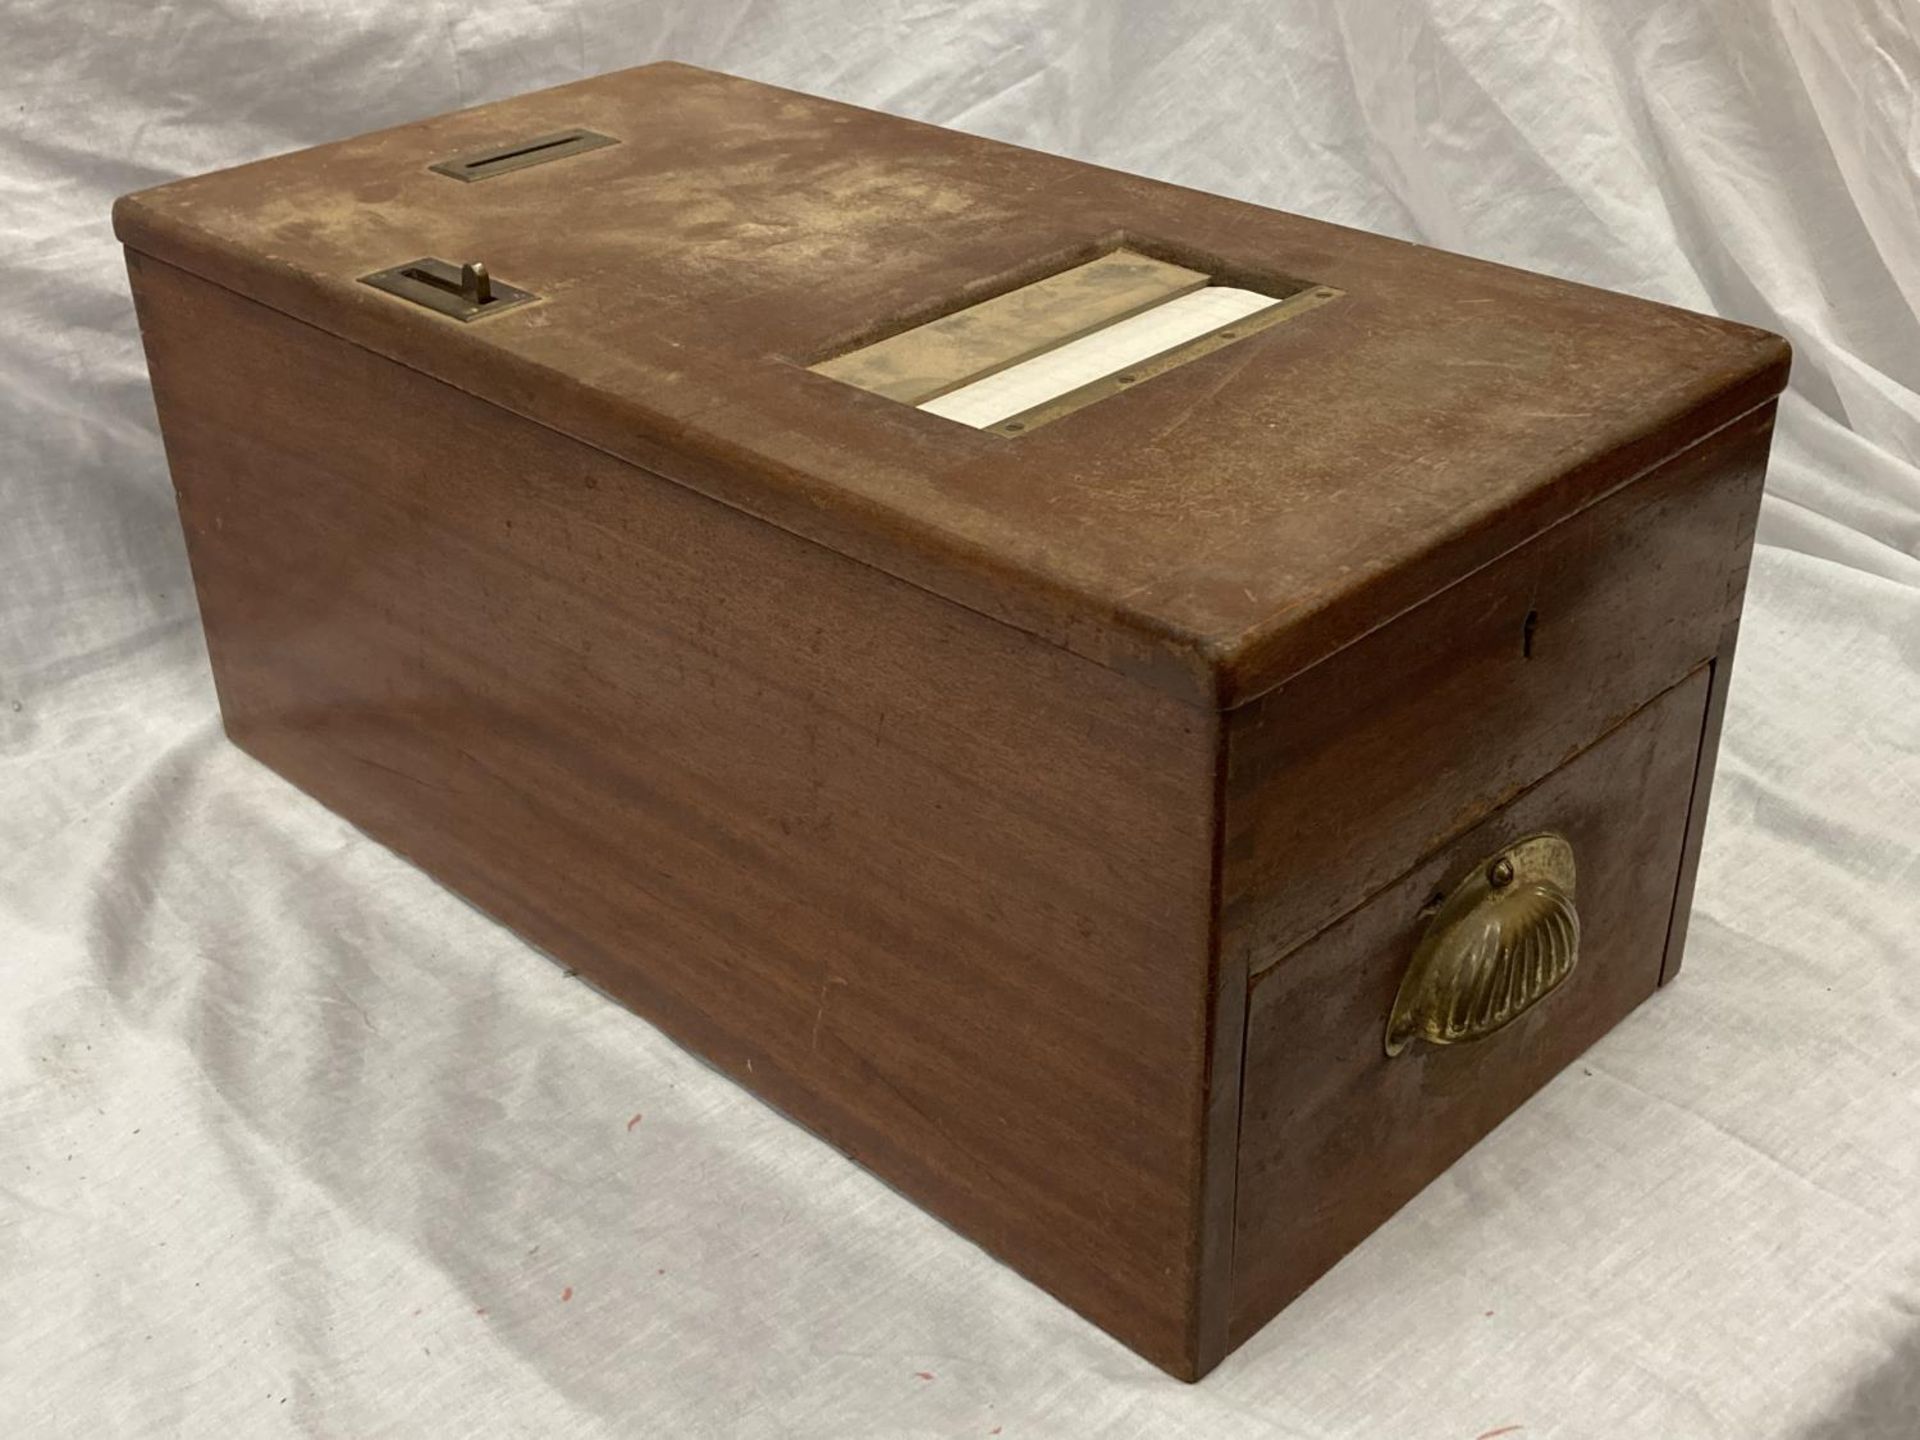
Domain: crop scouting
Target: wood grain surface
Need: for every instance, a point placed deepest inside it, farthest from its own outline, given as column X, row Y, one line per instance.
column 981, row 913
column 1335, row 1136
column 1345, row 776
column 1709, row 749
column 1043, row 821
column 937, row 889
column 1214, row 530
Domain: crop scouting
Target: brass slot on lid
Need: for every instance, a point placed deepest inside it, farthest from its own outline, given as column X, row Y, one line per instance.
column 465, row 292
column 501, row 160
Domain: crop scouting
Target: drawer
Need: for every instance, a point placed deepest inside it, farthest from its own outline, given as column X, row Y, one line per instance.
column 1348, row 774
column 1335, row 1134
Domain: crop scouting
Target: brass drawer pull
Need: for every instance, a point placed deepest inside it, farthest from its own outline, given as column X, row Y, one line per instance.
column 1505, row 939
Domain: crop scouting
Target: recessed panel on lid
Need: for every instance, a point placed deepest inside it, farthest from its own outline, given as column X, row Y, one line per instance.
column 1033, row 354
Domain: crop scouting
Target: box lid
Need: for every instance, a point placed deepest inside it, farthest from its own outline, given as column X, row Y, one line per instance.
column 1212, row 531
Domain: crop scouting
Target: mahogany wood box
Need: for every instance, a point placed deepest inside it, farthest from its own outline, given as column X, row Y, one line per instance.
column 1157, row 828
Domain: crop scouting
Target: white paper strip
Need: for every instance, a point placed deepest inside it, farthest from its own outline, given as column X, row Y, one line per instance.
column 1093, row 357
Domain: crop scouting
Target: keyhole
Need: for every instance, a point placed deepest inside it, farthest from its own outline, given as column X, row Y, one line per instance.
column 1526, row 634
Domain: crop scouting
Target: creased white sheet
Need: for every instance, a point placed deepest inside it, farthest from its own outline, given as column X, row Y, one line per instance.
column 293, row 1143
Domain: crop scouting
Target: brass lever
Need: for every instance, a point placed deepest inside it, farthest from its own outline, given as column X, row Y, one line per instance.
column 472, row 284
column 465, row 291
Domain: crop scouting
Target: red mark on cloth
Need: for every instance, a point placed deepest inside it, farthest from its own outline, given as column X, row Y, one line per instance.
column 635, row 1121
column 567, row 1294
column 1503, row 1430
column 923, row 1374
column 481, row 1311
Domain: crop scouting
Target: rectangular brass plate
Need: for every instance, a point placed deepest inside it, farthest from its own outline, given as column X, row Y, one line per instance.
column 436, row 284
column 503, row 159
column 1019, row 360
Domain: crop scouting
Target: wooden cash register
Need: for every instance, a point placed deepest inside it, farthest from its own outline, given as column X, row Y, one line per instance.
column 1149, row 722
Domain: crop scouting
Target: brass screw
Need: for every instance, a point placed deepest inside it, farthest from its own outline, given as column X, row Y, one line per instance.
column 1500, row 873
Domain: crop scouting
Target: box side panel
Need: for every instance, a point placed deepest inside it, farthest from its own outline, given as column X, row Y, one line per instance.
column 1335, row 1134
column 937, row 889
column 1710, row 738
column 1701, row 794
column 1349, row 773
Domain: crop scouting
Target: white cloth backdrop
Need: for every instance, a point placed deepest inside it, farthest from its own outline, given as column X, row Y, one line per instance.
column 294, row 1143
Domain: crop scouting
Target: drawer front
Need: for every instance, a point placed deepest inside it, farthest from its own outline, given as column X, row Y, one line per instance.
column 1347, row 775
column 1335, row 1134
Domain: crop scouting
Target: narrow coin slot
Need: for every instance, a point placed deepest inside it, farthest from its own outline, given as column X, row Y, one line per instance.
column 440, row 282
column 539, row 150
column 501, row 159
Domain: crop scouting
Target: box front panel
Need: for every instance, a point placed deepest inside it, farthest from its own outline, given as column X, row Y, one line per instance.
column 939, row 890
column 1336, row 1132
column 1348, row 774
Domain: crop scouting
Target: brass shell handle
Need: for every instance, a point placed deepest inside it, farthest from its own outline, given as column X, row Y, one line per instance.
column 1506, row 937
